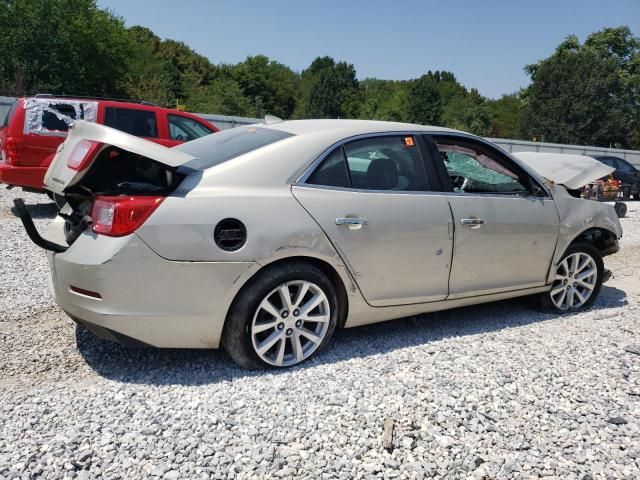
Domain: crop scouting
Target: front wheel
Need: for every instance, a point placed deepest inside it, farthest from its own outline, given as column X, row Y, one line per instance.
column 283, row 317
column 578, row 280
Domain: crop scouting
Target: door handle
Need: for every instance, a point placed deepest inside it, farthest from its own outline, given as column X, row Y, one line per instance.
column 472, row 221
column 351, row 221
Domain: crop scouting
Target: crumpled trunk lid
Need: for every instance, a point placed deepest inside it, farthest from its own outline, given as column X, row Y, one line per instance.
column 60, row 177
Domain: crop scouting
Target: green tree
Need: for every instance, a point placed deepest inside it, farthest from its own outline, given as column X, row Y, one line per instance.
column 384, row 100
column 270, row 86
column 620, row 44
column 507, row 116
column 222, row 96
column 468, row 112
column 188, row 69
column 61, row 46
column 329, row 89
column 577, row 96
column 425, row 106
column 149, row 77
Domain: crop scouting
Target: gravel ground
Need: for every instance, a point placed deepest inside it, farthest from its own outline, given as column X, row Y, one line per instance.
column 493, row 391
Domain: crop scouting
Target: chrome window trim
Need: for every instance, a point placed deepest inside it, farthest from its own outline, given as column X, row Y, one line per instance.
column 302, row 179
column 421, row 192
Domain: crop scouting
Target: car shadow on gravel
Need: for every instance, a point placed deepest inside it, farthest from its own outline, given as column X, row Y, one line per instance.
column 201, row 367
column 39, row 210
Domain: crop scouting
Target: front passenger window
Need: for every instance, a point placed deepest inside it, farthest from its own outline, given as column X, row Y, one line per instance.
column 473, row 171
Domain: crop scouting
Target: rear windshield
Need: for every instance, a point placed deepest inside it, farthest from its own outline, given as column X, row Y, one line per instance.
column 222, row 146
column 7, row 117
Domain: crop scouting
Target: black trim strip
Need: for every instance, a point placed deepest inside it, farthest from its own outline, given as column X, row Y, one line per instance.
column 35, row 237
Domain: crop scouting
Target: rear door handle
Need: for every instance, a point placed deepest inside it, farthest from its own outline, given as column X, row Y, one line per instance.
column 351, row 221
column 472, row 221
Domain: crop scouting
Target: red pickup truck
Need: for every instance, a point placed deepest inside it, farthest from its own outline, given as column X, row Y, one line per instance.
column 35, row 126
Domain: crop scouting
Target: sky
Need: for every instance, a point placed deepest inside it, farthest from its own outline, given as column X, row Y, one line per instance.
column 485, row 43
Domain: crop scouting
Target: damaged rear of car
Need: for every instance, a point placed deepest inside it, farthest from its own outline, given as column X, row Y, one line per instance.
column 112, row 183
column 111, row 180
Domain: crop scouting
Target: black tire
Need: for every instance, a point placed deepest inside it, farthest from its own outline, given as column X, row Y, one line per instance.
column 545, row 301
column 236, row 335
column 621, row 209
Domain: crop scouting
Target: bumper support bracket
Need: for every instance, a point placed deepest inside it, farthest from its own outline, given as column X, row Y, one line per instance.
column 33, row 233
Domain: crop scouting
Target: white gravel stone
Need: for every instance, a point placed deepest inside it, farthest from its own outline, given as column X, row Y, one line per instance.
column 492, row 391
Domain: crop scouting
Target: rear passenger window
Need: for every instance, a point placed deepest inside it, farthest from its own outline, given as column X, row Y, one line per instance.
column 332, row 171
column 378, row 163
column 141, row 123
column 386, row 163
column 53, row 122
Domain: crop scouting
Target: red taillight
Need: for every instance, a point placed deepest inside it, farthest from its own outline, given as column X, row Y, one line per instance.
column 119, row 216
column 82, row 154
column 11, row 147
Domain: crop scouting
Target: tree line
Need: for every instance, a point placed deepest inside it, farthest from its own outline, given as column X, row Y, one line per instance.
column 583, row 93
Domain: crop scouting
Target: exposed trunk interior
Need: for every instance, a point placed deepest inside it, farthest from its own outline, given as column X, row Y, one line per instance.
column 115, row 172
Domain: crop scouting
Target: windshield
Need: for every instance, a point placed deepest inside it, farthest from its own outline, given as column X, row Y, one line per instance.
column 222, row 146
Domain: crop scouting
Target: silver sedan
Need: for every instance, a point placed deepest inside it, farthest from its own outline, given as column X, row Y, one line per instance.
column 264, row 239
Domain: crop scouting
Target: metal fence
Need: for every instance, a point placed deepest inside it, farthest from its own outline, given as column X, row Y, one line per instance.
column 632, row 156
column 224, row 122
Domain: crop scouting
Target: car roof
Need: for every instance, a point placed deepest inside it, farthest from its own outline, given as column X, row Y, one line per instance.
column 348, row 128
column 284, row 160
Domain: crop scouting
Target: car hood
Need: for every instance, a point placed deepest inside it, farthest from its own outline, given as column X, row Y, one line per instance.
column 572, row 171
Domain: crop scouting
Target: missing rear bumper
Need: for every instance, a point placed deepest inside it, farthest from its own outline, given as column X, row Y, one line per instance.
column 111, row 335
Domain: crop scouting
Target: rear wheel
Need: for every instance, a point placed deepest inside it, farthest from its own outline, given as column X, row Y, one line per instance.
column 578, row 280
column 281, row 318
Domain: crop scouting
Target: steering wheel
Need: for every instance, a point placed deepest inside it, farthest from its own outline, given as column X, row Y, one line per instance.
column 459, row 182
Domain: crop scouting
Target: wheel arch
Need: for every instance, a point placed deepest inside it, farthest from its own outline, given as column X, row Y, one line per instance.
column 325, row 267
column 604, row 240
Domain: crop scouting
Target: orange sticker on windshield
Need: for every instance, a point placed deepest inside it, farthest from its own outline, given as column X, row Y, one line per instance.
column 408, row 141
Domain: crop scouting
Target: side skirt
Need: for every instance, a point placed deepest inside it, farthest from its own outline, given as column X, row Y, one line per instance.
column 363, row 314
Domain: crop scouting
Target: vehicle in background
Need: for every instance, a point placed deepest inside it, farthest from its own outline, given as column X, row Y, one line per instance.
column 626, row 174
column 34, row 128
column 265, row 238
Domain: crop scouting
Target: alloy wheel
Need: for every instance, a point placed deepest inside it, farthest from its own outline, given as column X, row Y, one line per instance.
column 290, row 323
column 576, row 278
